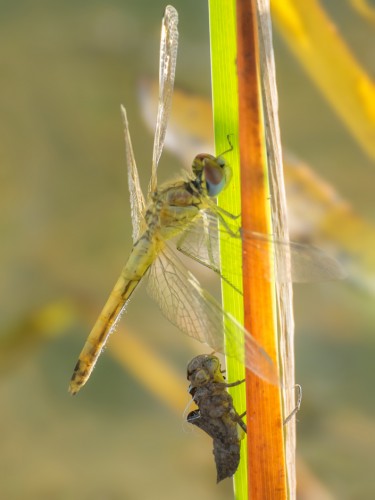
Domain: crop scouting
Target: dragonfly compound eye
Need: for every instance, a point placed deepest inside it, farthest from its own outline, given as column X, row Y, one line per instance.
column 199, row 163
column 217, row 175
column 213, row 173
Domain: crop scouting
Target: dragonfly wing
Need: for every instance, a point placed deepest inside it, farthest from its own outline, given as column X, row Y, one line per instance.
column 137, row 202
column 167, row 67
column 200, row 241
column 197, row 314
column 290, row 261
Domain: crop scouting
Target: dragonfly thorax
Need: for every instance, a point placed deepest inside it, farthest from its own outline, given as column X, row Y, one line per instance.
column 212, row 173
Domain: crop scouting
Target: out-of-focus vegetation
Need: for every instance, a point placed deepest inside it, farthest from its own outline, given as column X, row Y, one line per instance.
column 65, row 227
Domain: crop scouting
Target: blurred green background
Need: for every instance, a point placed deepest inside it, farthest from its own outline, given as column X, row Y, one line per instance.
column 65, row 67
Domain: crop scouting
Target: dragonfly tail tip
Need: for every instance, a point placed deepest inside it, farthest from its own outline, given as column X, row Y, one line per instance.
column 74, row 385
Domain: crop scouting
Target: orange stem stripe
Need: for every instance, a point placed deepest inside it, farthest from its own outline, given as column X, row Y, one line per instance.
column 266, row 460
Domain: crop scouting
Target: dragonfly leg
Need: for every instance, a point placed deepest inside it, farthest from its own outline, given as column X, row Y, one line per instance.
column 222, row 212
column 240, row 422
column 233, row 384
column 298, row 405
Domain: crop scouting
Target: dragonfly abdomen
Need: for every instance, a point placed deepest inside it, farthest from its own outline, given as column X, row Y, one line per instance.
column 140, row 259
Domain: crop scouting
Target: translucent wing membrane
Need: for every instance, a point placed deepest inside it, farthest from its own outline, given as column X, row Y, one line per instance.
column 197, row 314
column 170, row 286
column 200, row 241
column 137, row 202
column 168, row 56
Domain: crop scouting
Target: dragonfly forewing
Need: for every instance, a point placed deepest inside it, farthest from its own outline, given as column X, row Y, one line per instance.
column 137, row 201
column 167, row 69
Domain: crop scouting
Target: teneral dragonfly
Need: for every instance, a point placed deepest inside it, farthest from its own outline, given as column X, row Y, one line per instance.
column 185, row 209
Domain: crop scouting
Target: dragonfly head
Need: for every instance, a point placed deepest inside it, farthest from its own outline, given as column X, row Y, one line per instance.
column 212, row 173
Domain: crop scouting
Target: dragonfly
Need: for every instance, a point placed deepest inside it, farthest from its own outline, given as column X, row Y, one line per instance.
column 184, row 214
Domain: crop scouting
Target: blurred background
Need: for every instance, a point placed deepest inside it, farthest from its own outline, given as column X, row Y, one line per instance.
column 66, row 232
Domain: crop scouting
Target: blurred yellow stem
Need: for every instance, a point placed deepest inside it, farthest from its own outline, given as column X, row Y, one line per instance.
column 320, row 50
